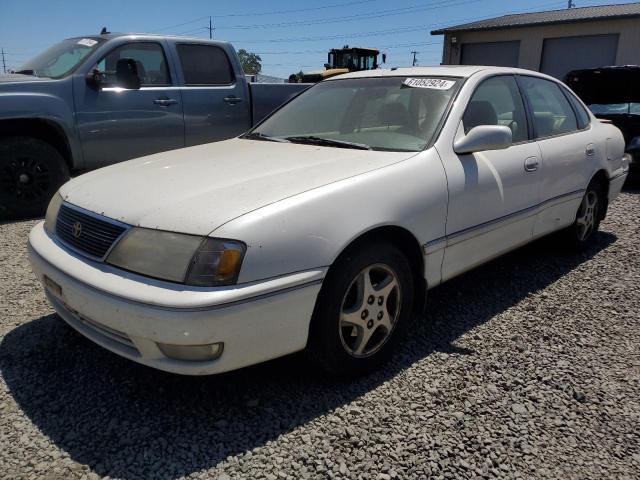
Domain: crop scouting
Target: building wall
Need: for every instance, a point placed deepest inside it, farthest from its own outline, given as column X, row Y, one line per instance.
column 532, row 38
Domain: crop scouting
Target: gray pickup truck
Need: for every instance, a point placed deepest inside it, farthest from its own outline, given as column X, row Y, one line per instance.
column 92, row 101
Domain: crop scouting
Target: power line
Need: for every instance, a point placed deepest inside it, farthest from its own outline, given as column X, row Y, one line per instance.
column 357, row 17
column 253, row 14
column 382, row 32
column 279, row 12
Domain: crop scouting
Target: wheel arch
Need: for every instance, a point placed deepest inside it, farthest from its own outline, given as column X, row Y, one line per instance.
column 42, row 129
column 407, row 243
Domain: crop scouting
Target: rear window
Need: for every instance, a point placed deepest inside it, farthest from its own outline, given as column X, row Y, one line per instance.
column 204, row 65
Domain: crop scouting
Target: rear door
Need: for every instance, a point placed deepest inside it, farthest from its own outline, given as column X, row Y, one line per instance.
column 216, row 103
column 117, row 124
column 565, row 142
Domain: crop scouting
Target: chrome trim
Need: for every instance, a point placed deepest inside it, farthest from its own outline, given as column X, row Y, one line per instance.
column 470, row 232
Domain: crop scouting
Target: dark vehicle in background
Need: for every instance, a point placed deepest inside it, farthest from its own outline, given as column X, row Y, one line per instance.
column 92, row 101
column 613, row 94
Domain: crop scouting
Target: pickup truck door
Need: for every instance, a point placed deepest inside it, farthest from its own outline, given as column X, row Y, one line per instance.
column 116, row 124
column 215, row 95
column 493, row 195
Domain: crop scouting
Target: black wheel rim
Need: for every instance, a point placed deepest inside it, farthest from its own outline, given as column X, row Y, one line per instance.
column 26, row 180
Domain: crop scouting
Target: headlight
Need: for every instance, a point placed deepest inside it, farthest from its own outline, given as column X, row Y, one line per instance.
column 52, row 213
column 178, row 257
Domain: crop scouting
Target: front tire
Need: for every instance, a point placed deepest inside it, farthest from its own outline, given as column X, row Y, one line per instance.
column 31, row 171
column 362, row 310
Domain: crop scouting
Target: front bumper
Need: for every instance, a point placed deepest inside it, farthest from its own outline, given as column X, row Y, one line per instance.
column 130, row 314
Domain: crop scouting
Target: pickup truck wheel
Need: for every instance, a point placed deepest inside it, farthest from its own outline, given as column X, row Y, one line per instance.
column 31, row 173
column 362, row 311
column 587, row 222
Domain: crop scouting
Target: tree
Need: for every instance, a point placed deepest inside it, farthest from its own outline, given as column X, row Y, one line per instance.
column 251, row 63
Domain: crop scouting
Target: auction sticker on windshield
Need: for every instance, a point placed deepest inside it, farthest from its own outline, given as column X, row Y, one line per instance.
column 432, row 83
column 87, row 42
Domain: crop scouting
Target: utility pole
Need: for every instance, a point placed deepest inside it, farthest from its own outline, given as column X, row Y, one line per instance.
column 414, row 57
column 4, row 65
column 210, row 28
column 570, row 4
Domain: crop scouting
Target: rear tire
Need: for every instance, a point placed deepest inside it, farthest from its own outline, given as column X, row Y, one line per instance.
column 581, row 234
column 31, row 171
column 362, row 311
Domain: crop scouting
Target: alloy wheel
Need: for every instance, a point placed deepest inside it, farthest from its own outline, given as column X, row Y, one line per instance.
column 587, row 215
column 370, row 310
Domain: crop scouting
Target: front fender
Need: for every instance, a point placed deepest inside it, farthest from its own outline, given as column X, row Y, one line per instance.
column 47, row 107
column 311, row 229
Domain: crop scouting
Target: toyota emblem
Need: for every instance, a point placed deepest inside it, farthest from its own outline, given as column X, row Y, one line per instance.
column 76, row 229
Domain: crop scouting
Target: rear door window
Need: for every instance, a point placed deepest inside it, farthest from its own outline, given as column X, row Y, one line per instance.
column 581, row 112
column 204, row 65
column 552, row 113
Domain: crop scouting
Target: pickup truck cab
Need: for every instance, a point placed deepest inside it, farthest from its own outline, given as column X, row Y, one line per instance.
column 92, row 101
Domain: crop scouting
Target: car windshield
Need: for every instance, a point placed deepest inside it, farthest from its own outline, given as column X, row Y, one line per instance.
column 61, row 59
column 615, row 108
column 377, row 113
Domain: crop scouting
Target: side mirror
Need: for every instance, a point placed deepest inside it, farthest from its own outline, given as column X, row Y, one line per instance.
column 634, row 146
column 127, row 74
column 484, row 137
column 93, row 79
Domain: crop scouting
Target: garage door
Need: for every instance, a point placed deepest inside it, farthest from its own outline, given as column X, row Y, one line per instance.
column 561, row 55
column 499, row 54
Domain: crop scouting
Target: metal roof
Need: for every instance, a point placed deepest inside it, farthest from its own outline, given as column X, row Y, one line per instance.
column 568, row 15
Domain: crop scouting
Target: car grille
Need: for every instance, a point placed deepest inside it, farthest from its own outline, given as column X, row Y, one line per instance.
column 89, row 234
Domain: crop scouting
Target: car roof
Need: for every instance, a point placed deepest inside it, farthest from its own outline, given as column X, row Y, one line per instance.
column 463, row 71
column 110, row 36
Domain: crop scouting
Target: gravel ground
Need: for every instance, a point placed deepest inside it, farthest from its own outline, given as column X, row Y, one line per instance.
column 528, row 367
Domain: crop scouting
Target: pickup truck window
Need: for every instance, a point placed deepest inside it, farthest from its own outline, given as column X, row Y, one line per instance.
column 61, row 59
column 381, row 113
column 149, row 58
column 204, row 65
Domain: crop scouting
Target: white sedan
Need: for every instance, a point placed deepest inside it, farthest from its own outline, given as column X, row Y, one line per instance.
column 323, row 227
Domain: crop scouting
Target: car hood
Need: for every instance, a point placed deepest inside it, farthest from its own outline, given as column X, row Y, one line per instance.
column 195, row 190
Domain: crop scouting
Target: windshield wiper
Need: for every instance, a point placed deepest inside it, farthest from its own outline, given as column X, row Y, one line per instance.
column 262, row 136
column 312, row 140
column 26, row 72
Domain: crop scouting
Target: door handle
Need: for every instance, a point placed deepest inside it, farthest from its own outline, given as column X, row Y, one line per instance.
column 531, row 164
column 165, row 101
column 232, row 99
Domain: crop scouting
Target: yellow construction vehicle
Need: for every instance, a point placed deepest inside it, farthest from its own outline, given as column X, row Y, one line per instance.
column 342, row 60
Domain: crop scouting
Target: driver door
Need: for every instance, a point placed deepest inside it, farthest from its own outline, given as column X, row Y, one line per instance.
column 117, row 124
column 493, row 194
